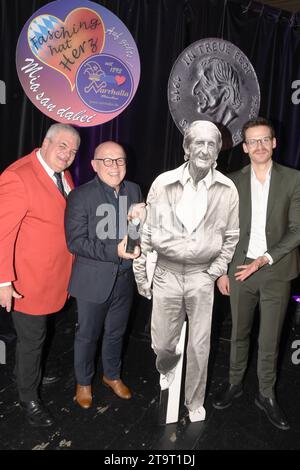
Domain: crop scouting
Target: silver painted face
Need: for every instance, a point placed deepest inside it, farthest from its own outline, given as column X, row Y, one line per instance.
column 202, row 153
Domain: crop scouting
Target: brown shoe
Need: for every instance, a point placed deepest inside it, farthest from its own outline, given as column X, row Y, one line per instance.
column 83, row 396
column 118, row 387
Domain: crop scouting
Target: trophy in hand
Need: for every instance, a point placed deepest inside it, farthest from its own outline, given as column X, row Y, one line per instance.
column 136, row 217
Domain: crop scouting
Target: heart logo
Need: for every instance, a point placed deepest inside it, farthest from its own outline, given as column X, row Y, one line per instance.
column 64, row 45
column 120, row 79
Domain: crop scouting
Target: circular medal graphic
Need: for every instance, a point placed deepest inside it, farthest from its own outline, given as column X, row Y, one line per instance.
column 77, row 62
column 213, row 80
column 104, row 83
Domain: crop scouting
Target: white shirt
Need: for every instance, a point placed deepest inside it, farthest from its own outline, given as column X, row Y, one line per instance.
column 211, row 245
column 192, row 206
column 50, row 172
column 259, row 203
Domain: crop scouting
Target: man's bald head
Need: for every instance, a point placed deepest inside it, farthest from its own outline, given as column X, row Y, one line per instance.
column 110, row 163
column 108, row 146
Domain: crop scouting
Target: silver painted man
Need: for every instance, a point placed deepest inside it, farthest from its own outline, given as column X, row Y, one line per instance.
column 192, row 223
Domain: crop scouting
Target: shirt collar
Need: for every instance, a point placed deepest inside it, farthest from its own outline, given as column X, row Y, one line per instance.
column 110, row 189
column 186, row 176
column 44, row 164
column 177, row 175
column 268, row 175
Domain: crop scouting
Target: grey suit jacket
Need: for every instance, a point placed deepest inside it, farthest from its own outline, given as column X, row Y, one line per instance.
column 96, row 259
column 282, row 224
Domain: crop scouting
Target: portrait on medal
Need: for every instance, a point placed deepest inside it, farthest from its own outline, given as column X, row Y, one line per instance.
column 213, row 80
column 217, row 90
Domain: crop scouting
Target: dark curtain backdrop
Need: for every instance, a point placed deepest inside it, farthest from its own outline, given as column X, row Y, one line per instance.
column 162, row 29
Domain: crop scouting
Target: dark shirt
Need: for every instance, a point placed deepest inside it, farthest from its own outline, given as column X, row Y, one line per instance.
column 114, row 198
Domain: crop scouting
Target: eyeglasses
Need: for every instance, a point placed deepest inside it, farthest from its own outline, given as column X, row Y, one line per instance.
column 264, row 141
column 110, row 161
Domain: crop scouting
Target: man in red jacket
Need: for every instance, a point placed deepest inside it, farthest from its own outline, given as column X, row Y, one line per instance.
column 35, row 264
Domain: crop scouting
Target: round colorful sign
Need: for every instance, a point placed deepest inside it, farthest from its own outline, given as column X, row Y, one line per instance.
column 77, row 62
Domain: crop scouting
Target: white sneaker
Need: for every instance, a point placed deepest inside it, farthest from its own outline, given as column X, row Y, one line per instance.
column 166, row 380
column 198, row 414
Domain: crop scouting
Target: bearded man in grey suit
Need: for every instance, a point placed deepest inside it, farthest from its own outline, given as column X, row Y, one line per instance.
column 265, row 261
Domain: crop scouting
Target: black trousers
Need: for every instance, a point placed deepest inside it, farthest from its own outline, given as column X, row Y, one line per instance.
column 110, row 316
column 31, row 334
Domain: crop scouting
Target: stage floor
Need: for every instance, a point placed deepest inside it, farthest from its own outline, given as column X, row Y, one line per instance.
column 115, row 424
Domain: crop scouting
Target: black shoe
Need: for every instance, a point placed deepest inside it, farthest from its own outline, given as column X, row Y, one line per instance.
column 273, row 412
column 49, row 380
column 36, row 413
column 226, row 394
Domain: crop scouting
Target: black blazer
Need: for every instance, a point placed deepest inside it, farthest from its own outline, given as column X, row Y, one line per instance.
column 96, row 259
column 282, row 224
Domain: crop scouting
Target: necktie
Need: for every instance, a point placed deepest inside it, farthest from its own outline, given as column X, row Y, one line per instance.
column 59, row 183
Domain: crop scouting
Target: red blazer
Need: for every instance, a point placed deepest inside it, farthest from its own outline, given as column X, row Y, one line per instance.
column 33, row 250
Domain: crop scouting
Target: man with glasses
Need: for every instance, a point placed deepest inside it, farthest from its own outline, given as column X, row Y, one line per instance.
column 102, row 279
column 265, row 261
column 35, row 264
